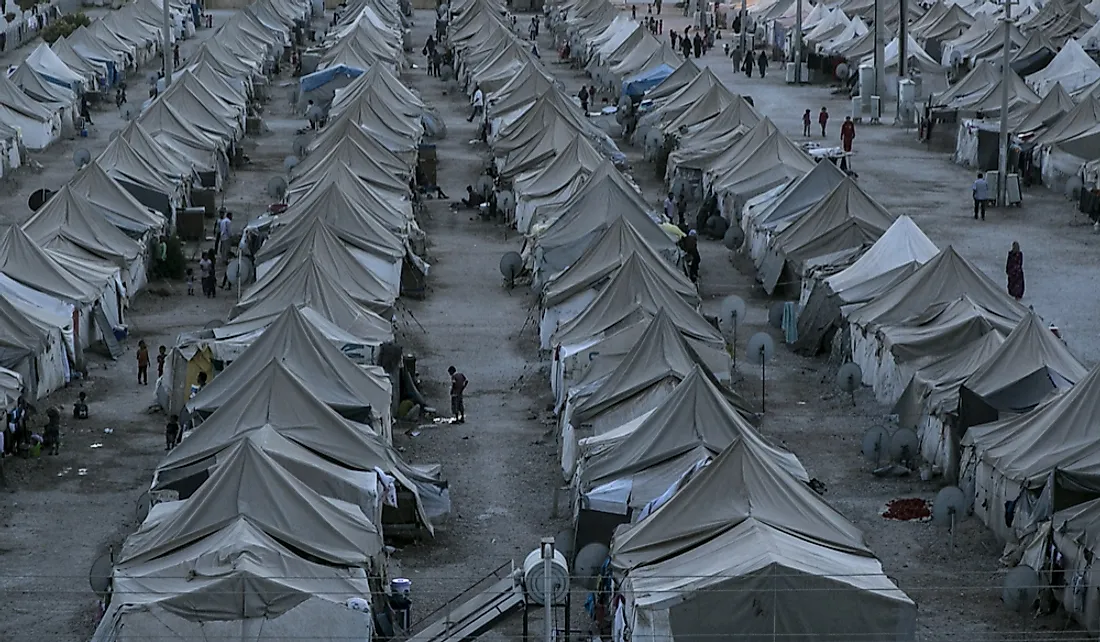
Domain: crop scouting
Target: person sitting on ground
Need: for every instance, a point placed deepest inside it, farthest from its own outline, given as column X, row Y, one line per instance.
column 473, row 200
column 80, row 408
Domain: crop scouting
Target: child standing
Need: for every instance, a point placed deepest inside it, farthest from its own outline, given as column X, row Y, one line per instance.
column 172, row 432
column 162, row 356
column 143, row 363
column 190, row 282
column 80, row 408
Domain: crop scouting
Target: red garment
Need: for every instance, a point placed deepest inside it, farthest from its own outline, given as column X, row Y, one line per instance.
column 822, row 118
column 847, row 134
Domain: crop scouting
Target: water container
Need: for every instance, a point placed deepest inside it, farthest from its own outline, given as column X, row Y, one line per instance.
column 534, row 578
column 401, row 586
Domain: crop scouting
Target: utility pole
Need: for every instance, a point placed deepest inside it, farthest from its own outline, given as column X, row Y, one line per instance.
column 798, row 43
column 1006, row 71
column 167, row 46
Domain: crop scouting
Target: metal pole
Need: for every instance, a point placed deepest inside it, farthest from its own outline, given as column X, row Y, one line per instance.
column 547, row 569
column 1006, row 70
column 798, row 43
column 880, row 55
column 167, row 50
column 744, row 22
column 903, row 39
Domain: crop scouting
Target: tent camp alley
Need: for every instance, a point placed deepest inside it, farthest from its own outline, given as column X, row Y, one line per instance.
column 756, row 382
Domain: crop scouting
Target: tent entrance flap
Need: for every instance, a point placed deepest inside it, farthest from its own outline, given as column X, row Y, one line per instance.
column 103, row 324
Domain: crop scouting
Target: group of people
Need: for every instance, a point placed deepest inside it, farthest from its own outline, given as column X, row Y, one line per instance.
column 20, row 437
column 847, row 128
column 676, row 210
column 689, row 44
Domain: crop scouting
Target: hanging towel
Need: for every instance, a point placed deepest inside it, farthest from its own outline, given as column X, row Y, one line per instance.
column 790, row 321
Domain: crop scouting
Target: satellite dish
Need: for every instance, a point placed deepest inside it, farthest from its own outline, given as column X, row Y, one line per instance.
column 775, row 315
column 948, row 508
column 849, row 378
column 904, row 446
column 215, row 323
column 129, row 112
column 81, row 157
column 761, row 349
column 239, row 269
column 152, row 79
column 875, row 442
column 276, row 188
column 1021, row 588
column 506, row 200
column 732, row 312
column 484, row 184
column 289, row 163
column 716, row 227
column 586, row 568
column 733, row 238
column 842, row 71
column 511, row 265
column 39, row 198
column 99, row 575
column 300, row 146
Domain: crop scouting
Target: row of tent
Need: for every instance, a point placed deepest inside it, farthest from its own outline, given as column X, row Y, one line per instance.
column 71, row 270
column 286, row 485
column 998, row 401
column 642, row 379
column 40, row 98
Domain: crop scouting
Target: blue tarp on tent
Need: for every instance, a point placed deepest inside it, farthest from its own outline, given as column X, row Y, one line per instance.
column 648, row 79
column 319, row 78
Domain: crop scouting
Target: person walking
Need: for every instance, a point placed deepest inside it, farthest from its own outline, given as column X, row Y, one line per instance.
column 748, row 63
column 847, row 133
column 762, row 62
column 143, row 364
column 690, row 245
column 807, row 120
column 478, row 103
column 1014, row 269
column 980, row 191
column 685, row 43
column 823, row 120
column 225, row 232
column 672, row 33
column 458, row 388
column 583, row 96
column 697, row 45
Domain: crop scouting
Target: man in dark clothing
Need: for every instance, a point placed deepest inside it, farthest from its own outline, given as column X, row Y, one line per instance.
column 762, row 62
column 697, row 45
column 458, row 387
column 690, row 245
column 85, row 112
column 583, row 95
column 685, row 44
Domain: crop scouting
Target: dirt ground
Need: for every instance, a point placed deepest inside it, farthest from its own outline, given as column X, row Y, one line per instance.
column 501, row 464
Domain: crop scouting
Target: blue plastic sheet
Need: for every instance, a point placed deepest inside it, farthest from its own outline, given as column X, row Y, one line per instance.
column 317, row 79
column 639, row 84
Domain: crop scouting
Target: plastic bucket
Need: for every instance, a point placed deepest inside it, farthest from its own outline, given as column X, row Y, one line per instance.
column 401, row 586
